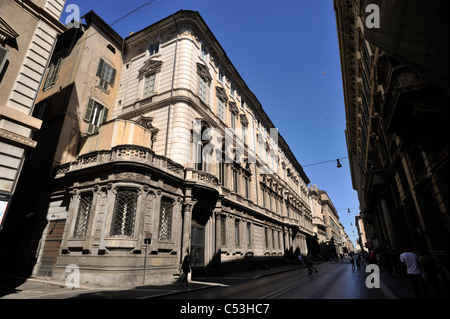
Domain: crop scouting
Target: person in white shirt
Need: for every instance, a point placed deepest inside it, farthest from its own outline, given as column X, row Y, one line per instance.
column 411, row 262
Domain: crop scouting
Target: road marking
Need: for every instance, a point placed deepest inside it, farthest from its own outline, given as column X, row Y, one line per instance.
column 281, row 291
column 209, row 283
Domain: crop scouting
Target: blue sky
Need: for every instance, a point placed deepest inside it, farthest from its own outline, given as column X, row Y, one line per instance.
column 288, row 54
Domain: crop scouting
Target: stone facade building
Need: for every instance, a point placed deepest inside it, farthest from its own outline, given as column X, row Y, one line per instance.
column 395, row 79
column 333, row 227
column 163, row 151
column 28, row 32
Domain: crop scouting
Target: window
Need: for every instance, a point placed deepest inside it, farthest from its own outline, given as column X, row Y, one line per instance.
column 223, row 230
column 235, row 181
column 81, row 224
column 124, row 213
column 153, row 48
column 165, row 219
column 107, row 75
column 204, row 52
column 233, row 120
column 247, row 187
column 237, row 235
column 95, row 115
column 263, row 193
column 221, row 75
column 232, row 90
column 249, row 234
column 52, row 74
column 202, row 88
column 266, row 237
column 273, row 239
column 221, row 109
column 244, row 133
column 149, row 85
column 222, row 172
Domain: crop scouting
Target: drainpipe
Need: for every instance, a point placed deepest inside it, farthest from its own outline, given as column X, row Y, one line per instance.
column 171, row 90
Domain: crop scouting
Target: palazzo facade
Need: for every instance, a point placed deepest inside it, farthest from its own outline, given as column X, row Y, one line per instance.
column 163, row 151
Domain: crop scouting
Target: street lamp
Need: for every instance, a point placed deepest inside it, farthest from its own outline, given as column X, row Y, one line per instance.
column 337, row 160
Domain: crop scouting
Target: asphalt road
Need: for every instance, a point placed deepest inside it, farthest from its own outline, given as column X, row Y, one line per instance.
column 333, row 281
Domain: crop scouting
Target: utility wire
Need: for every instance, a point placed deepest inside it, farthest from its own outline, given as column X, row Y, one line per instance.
column 130, row 13
column 325, row 162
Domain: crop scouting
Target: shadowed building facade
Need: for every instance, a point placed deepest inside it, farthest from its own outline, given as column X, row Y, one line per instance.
column 395, row 80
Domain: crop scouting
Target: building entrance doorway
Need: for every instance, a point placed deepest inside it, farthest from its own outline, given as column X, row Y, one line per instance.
column 197, row 245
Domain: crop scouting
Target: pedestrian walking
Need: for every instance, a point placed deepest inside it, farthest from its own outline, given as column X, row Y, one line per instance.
column 411, row 262
column 186, row 269
column 309, row 264
column 352, row 261
column 357, row 261
column 372, row 258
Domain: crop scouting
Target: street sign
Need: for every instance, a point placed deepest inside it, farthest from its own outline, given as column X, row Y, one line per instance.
column 5, row 199
column 147, row 238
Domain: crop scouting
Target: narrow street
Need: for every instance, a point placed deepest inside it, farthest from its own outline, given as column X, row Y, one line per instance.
column 333, row 281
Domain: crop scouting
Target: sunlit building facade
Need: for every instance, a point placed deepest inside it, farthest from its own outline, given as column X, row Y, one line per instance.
column 164, row 151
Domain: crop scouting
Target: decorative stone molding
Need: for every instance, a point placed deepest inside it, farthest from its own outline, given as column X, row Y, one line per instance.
column 150, row 67
column 17, row 139
column 203, row 71
column 221, row 94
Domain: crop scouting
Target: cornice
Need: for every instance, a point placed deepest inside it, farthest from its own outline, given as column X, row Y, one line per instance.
column 41, row 14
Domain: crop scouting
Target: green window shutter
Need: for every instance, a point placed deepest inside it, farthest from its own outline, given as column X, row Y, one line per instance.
column 112, row 77
column 48, row 80
column 100, row 67
column 89, row 109
column 105, row 115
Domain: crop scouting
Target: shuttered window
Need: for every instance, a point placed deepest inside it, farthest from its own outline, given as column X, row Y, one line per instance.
column 95, row 115
column 52, row 74
column 107, row 75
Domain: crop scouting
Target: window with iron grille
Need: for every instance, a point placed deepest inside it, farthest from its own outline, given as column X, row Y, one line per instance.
column 237, row 233
column 124, row 213
column 81, row 224
column 223, row 230
column 165, row 219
